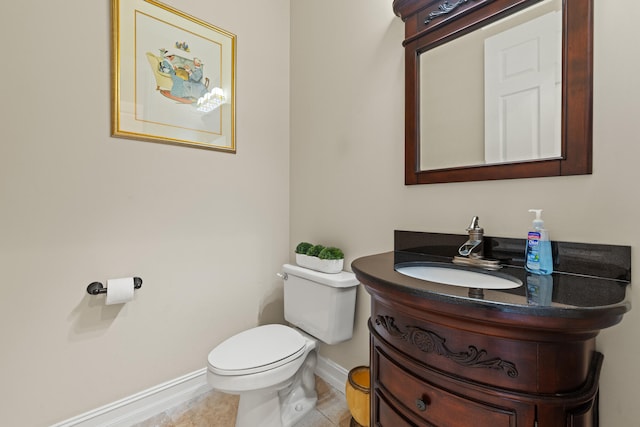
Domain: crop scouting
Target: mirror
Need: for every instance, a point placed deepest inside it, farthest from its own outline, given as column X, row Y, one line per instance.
column 466, row 120
column 509, row 74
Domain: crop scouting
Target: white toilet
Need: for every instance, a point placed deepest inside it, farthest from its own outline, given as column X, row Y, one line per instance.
column 272, row 367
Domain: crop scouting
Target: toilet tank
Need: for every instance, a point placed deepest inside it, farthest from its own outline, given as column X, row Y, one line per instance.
column 321, row 304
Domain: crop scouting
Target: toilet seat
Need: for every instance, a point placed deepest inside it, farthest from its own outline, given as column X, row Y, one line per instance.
column 256, row 350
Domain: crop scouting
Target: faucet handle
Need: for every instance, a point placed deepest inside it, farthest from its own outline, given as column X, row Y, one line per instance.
column 473, row 247
column 474, row 226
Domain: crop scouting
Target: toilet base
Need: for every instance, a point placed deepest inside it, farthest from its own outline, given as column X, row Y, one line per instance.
column 281, row 405
column 300, row 397
column 258, row 408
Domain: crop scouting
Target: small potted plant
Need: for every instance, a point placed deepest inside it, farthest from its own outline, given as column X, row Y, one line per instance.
column 319, row 258
column 302, row 248
column 331, row 260
column 314, row 250
column 302, row 259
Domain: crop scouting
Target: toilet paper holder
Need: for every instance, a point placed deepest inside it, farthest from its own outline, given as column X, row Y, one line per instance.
column 96, row 288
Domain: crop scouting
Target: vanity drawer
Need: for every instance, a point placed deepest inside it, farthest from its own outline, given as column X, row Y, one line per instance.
column 433, row 404
column 492, row 360
column 387, row 416
column 485, row 359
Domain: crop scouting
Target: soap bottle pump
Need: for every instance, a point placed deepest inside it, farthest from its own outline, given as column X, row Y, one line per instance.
column 538, row 256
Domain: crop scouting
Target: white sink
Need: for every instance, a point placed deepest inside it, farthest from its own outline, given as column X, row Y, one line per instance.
column 441, row 273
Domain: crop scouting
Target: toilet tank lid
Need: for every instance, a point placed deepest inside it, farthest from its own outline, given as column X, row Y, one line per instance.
column 344, row 279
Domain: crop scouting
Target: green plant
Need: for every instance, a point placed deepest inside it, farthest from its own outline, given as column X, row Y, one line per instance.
column 315, row 250
column 303, row 247
column 331, row 253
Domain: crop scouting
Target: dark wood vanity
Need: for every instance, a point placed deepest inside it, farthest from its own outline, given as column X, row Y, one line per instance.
column 441, row 358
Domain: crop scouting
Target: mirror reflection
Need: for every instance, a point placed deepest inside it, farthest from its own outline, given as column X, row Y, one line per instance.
column 494, row 96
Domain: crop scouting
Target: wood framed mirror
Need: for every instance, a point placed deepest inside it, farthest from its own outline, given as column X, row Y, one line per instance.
column 436, row 29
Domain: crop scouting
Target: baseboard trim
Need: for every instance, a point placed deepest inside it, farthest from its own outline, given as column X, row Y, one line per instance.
column 332, row 373
column 155, row 400
column 141, row 406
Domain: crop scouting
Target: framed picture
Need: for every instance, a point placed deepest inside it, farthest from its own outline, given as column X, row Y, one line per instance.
column 173, row 77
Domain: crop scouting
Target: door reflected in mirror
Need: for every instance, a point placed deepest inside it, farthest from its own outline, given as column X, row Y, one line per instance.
column 494, row 95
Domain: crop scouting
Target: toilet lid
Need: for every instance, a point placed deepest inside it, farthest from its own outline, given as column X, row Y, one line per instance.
column 255, row 350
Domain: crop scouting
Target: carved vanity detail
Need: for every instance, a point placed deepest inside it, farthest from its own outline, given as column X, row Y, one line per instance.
column 430, row 342
column 440, row 358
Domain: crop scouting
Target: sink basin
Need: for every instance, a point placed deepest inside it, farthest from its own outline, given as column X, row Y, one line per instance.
column 456, row 276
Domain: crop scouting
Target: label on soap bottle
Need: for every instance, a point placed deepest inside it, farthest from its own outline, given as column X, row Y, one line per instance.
column 533, row 250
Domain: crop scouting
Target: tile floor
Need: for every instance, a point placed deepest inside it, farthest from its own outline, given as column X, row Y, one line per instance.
column 217, row 409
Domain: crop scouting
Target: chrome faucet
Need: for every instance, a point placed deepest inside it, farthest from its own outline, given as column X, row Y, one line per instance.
column 474, row 247
column 472, row 251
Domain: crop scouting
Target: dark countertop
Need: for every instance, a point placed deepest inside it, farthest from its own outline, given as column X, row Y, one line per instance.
column 568, row 296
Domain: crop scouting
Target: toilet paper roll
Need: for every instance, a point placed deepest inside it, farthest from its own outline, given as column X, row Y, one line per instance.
column 119, row 291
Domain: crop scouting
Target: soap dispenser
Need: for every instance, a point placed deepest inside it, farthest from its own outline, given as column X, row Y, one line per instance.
column 538, row 256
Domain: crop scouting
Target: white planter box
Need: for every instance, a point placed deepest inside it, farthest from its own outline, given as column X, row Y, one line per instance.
column 324, row 265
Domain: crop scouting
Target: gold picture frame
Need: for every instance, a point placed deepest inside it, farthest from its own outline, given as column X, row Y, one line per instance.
column 173, row 77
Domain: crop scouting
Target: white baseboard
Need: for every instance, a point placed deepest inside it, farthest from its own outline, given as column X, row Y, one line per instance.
column 332, row 373
column 153, row 401
column 141, row 406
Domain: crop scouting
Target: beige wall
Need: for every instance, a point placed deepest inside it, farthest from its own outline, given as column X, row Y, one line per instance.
column 78, row 206
column 347, row 163
column 207, row 231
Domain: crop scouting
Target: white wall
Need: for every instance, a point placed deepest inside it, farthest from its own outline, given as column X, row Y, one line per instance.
column 206, row 230
column 347, row 133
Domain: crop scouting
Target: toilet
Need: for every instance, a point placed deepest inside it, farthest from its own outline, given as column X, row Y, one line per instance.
column 272, row 367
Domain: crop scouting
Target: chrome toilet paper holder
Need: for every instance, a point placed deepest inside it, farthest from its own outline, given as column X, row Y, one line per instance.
column 96, row 288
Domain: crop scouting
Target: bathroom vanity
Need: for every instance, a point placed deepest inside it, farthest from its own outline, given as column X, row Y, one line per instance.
column 506, row 357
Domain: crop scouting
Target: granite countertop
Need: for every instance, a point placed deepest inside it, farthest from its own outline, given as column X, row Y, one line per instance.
column 567, row 293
